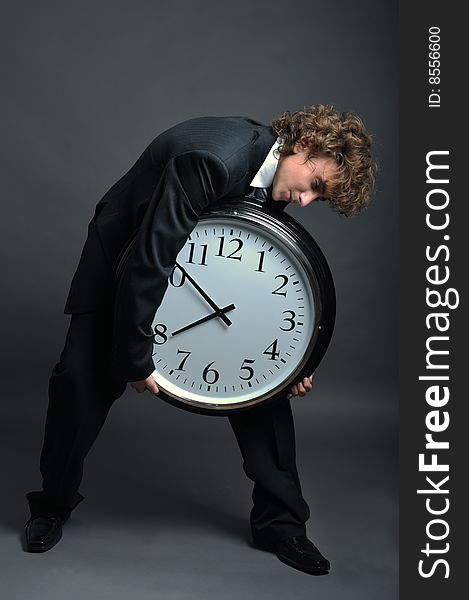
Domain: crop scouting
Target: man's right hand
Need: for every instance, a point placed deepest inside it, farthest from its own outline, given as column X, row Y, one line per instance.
column 146, row 384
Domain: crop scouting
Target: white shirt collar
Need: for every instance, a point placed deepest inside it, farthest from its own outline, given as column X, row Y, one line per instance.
column 265, row 176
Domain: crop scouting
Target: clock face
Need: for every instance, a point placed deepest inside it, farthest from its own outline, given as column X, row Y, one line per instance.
column 238, row 316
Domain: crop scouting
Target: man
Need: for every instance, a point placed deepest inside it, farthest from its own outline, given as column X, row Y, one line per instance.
column 317, row 153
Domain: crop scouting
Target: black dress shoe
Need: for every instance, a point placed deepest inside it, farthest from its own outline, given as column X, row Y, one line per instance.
column 300, row 553
column 43, row 532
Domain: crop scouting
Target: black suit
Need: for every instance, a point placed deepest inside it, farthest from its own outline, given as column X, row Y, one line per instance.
column 183, row 171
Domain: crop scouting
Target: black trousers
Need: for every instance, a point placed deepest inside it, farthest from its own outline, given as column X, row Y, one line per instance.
column 81, row 392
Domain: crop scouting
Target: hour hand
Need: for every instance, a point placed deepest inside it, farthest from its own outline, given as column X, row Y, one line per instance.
column 218, row 313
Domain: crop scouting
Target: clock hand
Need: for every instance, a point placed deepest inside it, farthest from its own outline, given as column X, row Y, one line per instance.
column 217, row 313
column 204, row 295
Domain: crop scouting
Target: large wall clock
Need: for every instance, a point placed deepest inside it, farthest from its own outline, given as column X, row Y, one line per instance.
column 249, row 310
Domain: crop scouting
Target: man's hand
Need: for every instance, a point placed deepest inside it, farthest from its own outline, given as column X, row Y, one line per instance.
column 301, row 388
column 146, row 384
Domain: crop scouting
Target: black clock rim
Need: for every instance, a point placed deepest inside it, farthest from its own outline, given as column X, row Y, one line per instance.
column 251, row 207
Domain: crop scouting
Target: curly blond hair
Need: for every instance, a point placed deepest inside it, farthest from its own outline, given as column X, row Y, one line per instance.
column 338, row 135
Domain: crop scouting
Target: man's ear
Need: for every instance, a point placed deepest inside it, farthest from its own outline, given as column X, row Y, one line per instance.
column 306, row 140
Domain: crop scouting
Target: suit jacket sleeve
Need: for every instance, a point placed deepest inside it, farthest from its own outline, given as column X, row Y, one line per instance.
column 188, row 185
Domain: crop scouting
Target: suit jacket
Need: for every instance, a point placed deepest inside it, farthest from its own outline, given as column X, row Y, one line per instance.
column 183, row 171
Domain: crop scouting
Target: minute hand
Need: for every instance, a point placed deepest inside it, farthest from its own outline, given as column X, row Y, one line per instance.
column 217, row 309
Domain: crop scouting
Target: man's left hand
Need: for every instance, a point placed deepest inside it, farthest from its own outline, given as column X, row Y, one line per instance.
column 145, row 384
column 302, row 388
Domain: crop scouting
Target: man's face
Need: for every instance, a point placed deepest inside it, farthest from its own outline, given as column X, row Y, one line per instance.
column 300, row 180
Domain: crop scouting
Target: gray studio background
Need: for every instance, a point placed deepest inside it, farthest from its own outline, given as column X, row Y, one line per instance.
column 86, row 86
